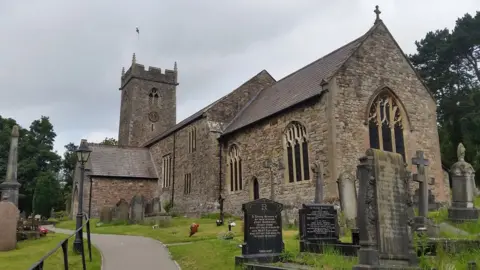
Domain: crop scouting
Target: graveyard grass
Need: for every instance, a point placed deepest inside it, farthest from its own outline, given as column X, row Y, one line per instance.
column 30, row 251
column 207, row 251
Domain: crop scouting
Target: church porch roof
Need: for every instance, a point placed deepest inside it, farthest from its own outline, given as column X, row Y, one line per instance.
column 115, row 161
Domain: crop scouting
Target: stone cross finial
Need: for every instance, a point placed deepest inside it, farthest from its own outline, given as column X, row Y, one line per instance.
column 377, row 12
column 461, row 152
column 134, row 59
column 175, row 66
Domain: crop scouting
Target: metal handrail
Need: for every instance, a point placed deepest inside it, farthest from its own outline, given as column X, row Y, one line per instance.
column 64, row 245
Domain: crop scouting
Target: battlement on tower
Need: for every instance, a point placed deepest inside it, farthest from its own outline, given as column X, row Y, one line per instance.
column 153, row 74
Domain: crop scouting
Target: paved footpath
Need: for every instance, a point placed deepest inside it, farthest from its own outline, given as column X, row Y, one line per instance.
column 125, row 252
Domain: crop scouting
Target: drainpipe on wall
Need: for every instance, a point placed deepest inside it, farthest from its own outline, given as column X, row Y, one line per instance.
column 220, row 199
column 173, row 167
column 90, row 199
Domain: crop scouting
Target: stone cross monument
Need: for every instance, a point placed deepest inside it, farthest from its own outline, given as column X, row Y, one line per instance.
column 11, row 185
column 317, row 173
column 421, row 177
column 463, row 184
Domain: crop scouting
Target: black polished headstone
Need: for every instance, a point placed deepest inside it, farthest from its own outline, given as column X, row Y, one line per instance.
column 263, row 240
column 319, row 229
column 318, row 222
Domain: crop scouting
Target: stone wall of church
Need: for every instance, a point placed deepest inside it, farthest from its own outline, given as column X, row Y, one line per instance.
column 108, row 191
column 228, row 107
column 201, row 165
column 264, row 141
column 379, row 64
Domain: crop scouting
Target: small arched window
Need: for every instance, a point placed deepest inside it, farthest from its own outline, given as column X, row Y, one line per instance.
column 296, row 152
column 153, row 97
column 235, row 169
column 385, row 124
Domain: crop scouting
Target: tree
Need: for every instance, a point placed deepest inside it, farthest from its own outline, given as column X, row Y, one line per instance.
column 35, row 155
column 68, row 165
column 109, row 141
column 47, row 193
column 448, row 61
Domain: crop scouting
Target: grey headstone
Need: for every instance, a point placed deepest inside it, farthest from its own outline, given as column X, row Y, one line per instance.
column 463, row 189
column 137, row 208
column 382, row 217
column 149, row 208
column 9, row 216
column 121, row 210
column 156, row 205
column 106, row 215
column 348, row 195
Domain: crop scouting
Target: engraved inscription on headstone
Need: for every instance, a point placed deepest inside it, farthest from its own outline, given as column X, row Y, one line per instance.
column 382, row 212
column 319, row 222
column 262, row 231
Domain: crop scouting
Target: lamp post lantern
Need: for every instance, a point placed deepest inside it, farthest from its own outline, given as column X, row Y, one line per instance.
column 83, row 153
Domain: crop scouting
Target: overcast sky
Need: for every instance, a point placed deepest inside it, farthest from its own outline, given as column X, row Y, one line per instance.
column 63, row 59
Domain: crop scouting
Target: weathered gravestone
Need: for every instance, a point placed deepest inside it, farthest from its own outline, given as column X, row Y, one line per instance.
column 121, row 210
column 263, row 240
column 137, row 208
column 463, row 188
column 106, row 215
column 348, row 196
column 157, row 205
column 385, row 237
column 9, row 216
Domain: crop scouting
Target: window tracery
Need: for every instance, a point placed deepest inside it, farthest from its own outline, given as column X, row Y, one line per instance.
column 385, row 123
column 296, row 148
column 235, row 169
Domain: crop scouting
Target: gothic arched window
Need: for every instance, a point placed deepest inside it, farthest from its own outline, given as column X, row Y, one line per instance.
column 296, row 152
column 385, row 124
column 153, row 97
column 235, row 169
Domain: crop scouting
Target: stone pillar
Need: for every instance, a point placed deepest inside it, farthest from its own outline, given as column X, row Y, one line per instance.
column 463, row 189
column 11, row 185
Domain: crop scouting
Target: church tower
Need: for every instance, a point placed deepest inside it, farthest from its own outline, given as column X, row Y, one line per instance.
column 148, row 103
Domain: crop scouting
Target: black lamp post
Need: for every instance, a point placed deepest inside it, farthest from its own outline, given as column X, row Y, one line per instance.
column 83, row 153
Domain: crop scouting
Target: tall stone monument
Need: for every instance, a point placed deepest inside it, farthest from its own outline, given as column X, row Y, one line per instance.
column 386, row 241
column 463, row 188
column 9, row 188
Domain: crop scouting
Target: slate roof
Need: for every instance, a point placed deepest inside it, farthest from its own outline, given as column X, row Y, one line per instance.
column 194, row 116
column 299, row 86
column 114, row 161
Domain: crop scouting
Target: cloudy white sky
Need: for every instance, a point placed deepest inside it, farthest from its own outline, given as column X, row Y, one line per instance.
column 63, row 59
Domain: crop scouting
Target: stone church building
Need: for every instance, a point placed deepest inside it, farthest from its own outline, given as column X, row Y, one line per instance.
column 262, row 139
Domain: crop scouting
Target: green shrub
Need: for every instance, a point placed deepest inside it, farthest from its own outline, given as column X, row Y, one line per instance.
column 168, row 206
column 226, row 235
